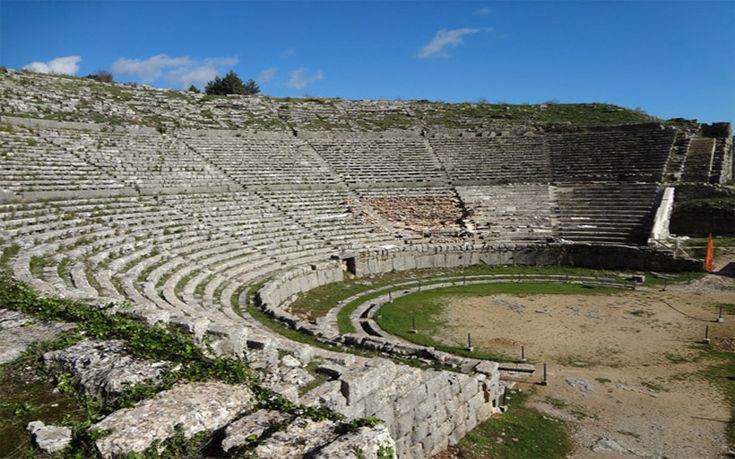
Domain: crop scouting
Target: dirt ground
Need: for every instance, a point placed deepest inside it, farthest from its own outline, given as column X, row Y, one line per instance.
column 623, row 369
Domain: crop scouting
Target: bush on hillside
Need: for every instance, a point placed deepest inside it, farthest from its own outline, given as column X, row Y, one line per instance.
column 103, row 76
column 231, row 84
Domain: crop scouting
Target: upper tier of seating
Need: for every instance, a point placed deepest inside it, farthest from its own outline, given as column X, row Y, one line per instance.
column 272, row 160
column 637, row 155
column 369, row 161
column 495, row 160
column 30, row 162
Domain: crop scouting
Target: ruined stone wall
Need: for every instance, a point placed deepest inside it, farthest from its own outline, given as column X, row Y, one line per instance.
column 426, row 410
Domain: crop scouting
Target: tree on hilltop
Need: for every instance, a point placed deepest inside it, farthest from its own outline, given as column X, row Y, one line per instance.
column 231, row 84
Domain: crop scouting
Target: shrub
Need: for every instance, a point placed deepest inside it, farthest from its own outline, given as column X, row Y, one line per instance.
column 103, row 76
column 231, row 84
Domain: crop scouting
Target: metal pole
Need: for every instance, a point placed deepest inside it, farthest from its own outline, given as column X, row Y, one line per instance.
column 706, row 334
column 413, row 324
column 523, row 353
column 469, row 343
column 545, row 382
column 719, row 317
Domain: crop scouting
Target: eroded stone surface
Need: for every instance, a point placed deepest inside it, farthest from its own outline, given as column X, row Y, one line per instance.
column 301, row 439
column 368, row 441
column 196, row 407
column 103, row 368
column 251, row 426
column 48, row 438
column 18, row 331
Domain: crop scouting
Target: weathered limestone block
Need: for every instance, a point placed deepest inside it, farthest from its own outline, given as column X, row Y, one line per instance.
column 103, row 368
column 364, row 442
column 301, row 439
column 49, row 439
column 358, row 384
column 251, row 426
column 18, row 331
column 196, row 407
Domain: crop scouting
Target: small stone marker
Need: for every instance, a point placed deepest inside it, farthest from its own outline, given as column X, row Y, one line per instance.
column 413, row 325
column 523, row 353
column 706, row 334
column 469, row 343
column 719, row 317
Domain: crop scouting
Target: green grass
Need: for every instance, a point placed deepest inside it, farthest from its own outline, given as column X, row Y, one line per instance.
column 317, row 302
column 426, row 307
column 536, row 435
column 26, row 397
column 9, row 253
column 722, row 373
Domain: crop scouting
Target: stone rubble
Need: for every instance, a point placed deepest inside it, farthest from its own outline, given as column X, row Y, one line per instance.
column 103, row 369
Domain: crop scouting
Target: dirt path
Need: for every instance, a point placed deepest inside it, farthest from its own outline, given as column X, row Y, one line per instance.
column 622, row 368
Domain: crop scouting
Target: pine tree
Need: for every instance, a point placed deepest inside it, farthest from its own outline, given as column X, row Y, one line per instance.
column 230, row 84
column 252, row 88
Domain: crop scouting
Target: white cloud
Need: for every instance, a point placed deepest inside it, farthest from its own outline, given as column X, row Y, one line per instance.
column 149, row 69
column 300, row 78
column 484, row 11
column 446, row 39
column 68, row 65
column 267, row 75
column 286, row 53
column 182, row 71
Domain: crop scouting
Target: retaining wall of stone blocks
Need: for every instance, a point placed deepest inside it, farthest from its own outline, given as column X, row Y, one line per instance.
column 426, row 410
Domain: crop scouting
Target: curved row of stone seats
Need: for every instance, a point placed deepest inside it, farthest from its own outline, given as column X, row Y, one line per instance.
column 257, row 160
column 334, row 216
column 424, row 210
column 494, row 160
column 698, row 160
column 509, row 212
column 606, row 212
column 349, row 392
column 315, row 114
column 626, row 155
column 29, row 163
column 366, row 160
column 143, row 161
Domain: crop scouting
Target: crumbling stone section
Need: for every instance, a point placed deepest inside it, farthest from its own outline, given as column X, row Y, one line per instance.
column 420, row 214
column 103, row 369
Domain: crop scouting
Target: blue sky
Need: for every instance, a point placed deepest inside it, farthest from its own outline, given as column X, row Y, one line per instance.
column 673, row 58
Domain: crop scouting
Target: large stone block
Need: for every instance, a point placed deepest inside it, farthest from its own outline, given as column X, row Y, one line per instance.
column 196, row 407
